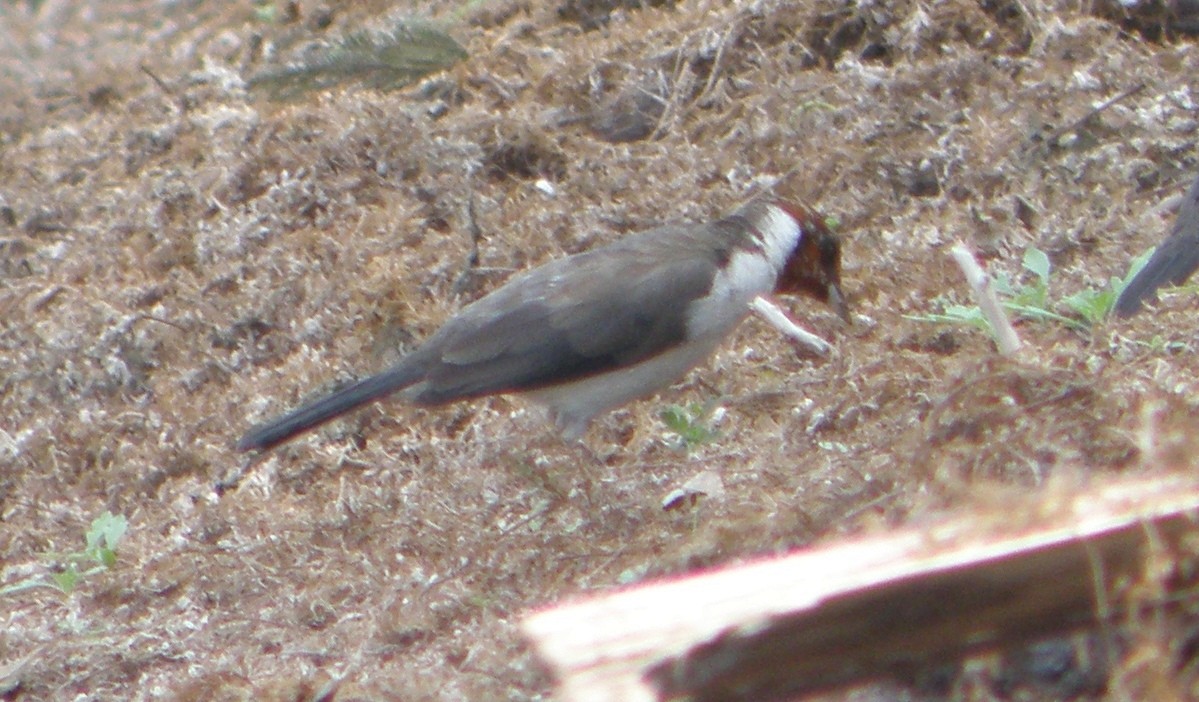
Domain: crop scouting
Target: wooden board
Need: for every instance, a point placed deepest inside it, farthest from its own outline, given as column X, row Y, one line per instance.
column 860, row 609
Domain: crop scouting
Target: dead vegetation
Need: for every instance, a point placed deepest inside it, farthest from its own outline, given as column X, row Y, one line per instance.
column 180, row 258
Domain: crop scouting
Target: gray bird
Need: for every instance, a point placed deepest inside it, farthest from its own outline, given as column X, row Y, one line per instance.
column 1172, row 262
column 588, row 333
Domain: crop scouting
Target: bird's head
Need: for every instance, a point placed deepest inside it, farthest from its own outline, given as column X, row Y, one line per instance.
column 814, row 267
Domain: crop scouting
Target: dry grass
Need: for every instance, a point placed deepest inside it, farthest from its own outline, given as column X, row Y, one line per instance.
column 184, row 259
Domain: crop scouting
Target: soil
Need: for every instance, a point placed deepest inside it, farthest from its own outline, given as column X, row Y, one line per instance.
column 182, row 257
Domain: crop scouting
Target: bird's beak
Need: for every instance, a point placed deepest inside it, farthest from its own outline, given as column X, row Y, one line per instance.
column 837, row 301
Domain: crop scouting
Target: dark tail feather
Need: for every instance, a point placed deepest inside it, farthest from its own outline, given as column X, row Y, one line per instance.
column 329, row 407
column 1171, row 264
column 1174, row 260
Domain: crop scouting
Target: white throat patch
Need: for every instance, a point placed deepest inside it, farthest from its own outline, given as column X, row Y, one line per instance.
column 780, row 235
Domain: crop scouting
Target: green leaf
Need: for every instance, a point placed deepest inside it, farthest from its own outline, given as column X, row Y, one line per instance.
column 67, row 579
column 106, row 531
column 1135, row 267
column 383, row 60
column 1040, row 313
column 1037, row 262
column 675, row 418
column 960, row 314
column 689, row 423
column 107, row 557
column 1092, row 305
column 1003, row 285
column 265, row 12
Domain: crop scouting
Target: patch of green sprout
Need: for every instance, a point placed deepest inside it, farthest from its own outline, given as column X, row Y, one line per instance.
column 1031, row 301
column 691, row 426
column 98, row 555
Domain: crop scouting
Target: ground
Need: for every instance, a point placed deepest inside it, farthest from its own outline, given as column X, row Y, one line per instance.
column 181, row 257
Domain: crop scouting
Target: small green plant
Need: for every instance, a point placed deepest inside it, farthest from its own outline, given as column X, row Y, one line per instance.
column 98, row 554
column 1031, row 301
column 265, row 11
column 385, row 60
column 1093, row 306
column 690, row 426
column 1160, row 345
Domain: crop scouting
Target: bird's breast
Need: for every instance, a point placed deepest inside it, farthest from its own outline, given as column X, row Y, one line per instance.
column 746, row 275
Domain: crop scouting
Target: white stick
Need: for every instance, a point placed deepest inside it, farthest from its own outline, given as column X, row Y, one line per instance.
column 988, row 303
column 774, row 315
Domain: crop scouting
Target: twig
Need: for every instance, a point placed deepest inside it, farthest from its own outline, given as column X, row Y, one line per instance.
column 769, row 311
column 180, row 103
column 714, row 73
column 466, row 279
column 988, row 302
column 1103, row 106
column 1074, row 126
column 680, row 83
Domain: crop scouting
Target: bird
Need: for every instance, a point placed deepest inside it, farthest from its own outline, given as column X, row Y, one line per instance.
column 587, row 333
column 1172, row 262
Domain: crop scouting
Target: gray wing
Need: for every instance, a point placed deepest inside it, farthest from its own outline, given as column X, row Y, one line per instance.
column 570, row 318
column 1174, row 260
